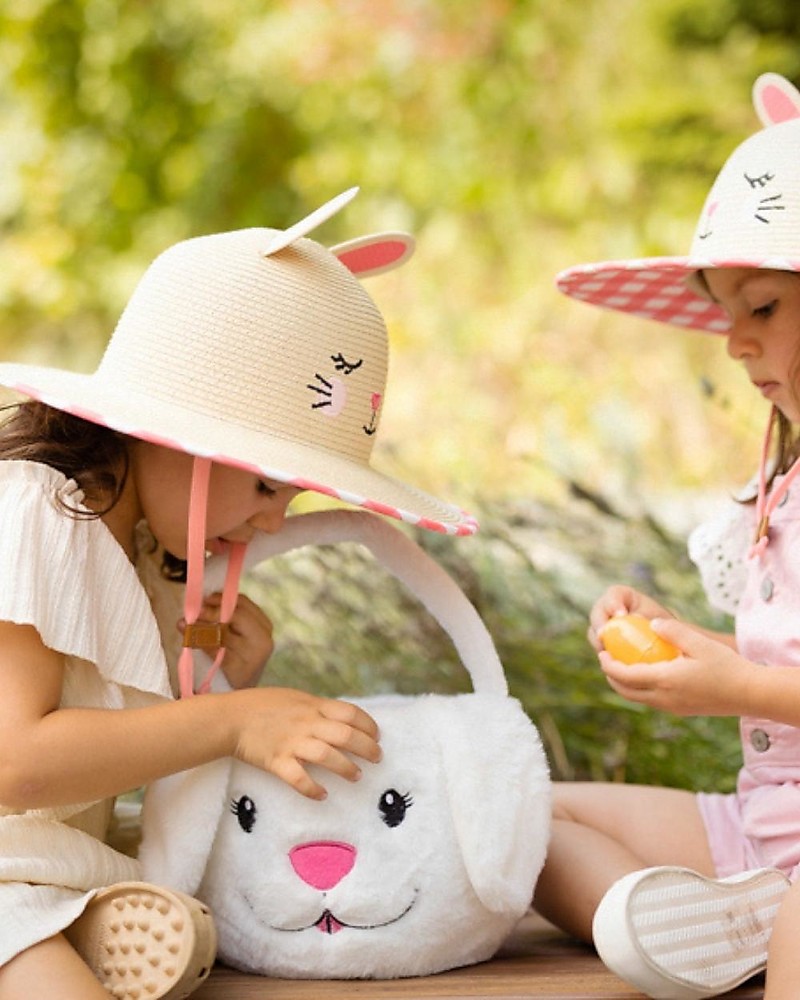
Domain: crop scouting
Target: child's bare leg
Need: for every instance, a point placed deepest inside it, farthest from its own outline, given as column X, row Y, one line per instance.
column 604, row 831
column 783, row 962
column 50, row 969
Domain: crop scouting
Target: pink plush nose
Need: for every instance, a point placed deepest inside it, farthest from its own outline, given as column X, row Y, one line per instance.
column 322, row 863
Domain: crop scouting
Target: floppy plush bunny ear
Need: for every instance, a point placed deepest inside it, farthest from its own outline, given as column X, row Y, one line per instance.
column 370, row 255
column 775, row 99
column 498, row 787
column 180, row 817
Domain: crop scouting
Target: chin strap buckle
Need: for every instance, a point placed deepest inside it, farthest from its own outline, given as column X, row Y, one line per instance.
column 205, row 635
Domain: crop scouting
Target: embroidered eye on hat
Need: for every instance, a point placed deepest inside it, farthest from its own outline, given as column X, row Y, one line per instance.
column 751, row 218
column 259, row 349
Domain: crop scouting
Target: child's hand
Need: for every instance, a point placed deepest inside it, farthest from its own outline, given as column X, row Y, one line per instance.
column 620, row 600
column 248, row 643
column 282, row 730
column 708, row 678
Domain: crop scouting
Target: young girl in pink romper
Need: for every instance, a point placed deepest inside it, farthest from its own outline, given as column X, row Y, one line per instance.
column 686, row 895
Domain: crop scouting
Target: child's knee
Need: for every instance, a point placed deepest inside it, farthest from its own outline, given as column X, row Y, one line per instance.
column 570, row 799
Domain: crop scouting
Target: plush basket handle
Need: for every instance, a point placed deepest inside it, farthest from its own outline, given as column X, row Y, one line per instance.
column 404, row 559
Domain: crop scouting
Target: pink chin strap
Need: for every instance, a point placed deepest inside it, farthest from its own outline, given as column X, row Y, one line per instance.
column 204, row 635
column 765, row 505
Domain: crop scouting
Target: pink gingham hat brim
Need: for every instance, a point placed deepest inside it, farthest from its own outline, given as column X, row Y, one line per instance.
column 657, row 288
column 652, row 288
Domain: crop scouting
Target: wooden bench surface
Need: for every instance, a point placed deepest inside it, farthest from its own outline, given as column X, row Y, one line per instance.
column 536, row 961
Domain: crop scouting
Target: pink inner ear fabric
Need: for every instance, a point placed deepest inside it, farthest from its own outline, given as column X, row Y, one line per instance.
column 370, row 257
column 779, row 106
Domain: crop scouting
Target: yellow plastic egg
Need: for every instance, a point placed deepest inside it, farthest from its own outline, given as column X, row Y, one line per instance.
column 631, row 639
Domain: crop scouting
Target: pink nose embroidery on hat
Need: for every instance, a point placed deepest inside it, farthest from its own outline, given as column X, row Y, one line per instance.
column 324, row 863
column 375, row 403
column 712, row 208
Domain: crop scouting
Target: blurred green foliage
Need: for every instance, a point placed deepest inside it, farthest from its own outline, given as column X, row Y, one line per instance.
column 513, row 137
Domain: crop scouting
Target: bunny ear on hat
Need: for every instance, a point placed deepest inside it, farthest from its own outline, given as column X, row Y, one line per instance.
column 286, row 237
column 365, row 256
column 371, row 255
column 751, row 218
column 775, row 99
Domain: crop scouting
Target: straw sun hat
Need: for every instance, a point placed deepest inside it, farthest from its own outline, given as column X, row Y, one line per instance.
column 259, row 349
column 751, row 218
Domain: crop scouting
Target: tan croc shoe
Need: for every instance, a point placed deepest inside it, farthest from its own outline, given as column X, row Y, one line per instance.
column 144, row 942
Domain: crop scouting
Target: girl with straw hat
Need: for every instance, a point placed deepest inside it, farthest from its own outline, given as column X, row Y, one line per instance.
column 246, row 367
column 687, row 895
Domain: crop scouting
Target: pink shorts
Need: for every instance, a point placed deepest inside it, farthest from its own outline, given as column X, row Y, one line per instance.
column 757, row 831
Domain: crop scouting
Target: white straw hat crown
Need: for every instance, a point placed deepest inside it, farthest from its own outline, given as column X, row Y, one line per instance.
column 227, row 332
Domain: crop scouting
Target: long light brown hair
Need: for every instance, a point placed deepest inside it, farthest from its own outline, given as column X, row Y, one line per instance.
column 787, row 448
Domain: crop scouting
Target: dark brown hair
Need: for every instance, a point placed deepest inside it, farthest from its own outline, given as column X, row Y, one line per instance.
column 96, row 457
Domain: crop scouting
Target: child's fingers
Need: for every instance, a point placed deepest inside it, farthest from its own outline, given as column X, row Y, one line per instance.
column 680, row 634
column 340, row 736
column 290, row 770
column 247, row 618
column 253, row 643
column 350, row 714
column 320, row 752
column 288, row 729
column 616, row 600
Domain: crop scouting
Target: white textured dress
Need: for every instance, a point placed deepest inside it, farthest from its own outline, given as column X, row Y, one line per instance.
column 69, row 578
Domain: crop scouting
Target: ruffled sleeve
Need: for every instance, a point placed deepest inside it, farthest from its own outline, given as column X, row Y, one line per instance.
column 68, row 577
column 718, row 547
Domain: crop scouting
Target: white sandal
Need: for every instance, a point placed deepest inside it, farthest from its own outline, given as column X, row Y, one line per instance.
column 144, row 942
column 677, row 935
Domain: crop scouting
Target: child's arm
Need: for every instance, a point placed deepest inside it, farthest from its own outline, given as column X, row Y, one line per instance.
column 710, row 678
column 53, row 756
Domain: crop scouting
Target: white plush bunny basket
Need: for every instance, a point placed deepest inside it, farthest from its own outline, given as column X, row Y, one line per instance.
column 424, row 864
